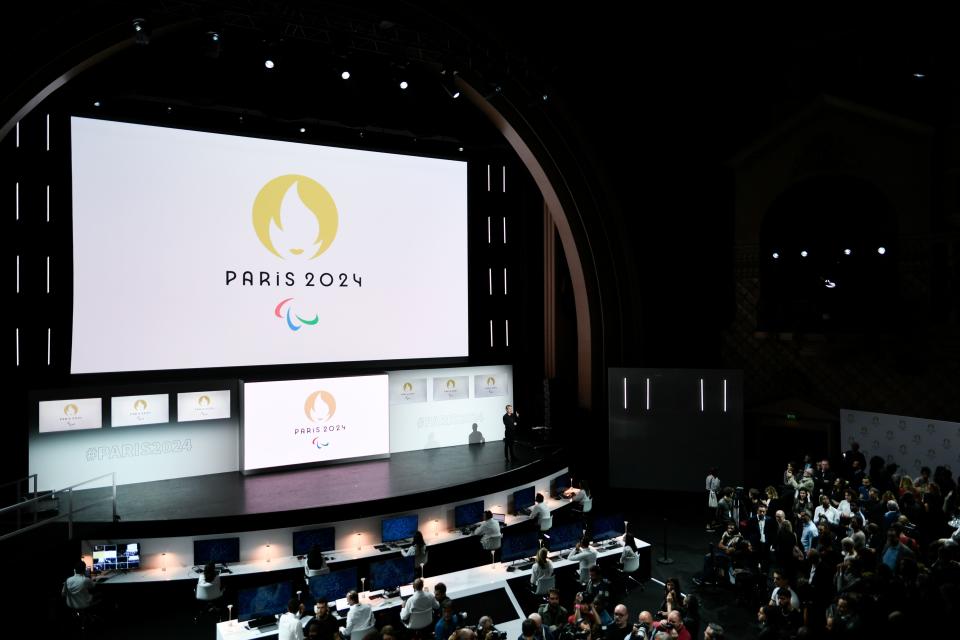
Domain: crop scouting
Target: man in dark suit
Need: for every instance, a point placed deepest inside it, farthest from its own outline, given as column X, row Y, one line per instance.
column 510, row 419
column 761, row 531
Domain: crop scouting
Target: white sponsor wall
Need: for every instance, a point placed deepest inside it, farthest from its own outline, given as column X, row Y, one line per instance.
column 203, row 405
column 196, row 250
column 909, row 441
column 131, row 411
column 136, row 454
column 438, row 407
column 292, row 422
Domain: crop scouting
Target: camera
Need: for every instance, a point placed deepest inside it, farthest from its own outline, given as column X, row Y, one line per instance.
column 641, row 631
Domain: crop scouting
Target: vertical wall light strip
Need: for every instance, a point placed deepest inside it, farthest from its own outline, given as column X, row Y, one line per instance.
column 18, row 135
column 504, row 178
column 648, row 394
column 48, row 203
column 624, row 394
column 16, row 203
column 489, row 237
column 48, row 132
column 490, row 279
column 18, row 347
column 504, row 229
column 18, row 274
column 701, row 395
column 488, row 178
column 724, row 395
column 48, row 274
column 504, row 281
column 491, row 334
column 506, row 331
column 48, row 346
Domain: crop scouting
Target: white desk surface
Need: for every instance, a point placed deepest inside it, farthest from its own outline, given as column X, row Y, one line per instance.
column 183, row 572
column 459, row 584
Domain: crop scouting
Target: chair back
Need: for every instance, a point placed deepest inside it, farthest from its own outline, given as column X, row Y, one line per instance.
column 546, row 523
column 420, row 619
column 491, row 543
column 357, row 634
column 544, row 584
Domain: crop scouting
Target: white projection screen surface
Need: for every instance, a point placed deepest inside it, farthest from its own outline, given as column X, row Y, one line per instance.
column 297, row 422
column 196, row 250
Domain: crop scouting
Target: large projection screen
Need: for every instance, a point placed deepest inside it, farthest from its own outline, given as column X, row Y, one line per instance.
column 195, row 250
column 324, row 420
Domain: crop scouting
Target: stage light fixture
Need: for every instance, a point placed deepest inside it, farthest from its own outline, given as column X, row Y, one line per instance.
column 847, row 252
column 881, row 250
column 96, row 103
column 404, row 84
column 345, row 75
column 214, row 36
column 804, row 254
column 141, row 35
column 303, row 129
column 268, row 63
column 830, row 284
column 776, row 256
column 919, row 75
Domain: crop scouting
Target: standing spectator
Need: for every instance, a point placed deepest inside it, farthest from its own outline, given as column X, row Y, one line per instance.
column 712, row 486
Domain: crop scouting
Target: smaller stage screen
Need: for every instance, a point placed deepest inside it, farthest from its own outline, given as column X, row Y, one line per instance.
column 607, row 527
column 468, row 514
column 303, row 541
column 70, row 415
column 387, row 574
column 333, row 585
column 116, row 557
column 267, row 600
column 523, row 498
column 396, row 529
column 565, row 536
column 519, row 545
column 219, row 550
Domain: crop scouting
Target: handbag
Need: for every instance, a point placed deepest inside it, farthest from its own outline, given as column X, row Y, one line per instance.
column 712, row 500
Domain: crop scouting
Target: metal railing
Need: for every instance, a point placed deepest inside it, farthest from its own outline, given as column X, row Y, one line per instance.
column 20, row 506
column 20, row 494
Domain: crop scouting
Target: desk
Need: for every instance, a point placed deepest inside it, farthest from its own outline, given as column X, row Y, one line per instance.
column 459, row 584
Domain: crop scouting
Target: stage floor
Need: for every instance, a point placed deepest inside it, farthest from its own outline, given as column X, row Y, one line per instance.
column 233, row 494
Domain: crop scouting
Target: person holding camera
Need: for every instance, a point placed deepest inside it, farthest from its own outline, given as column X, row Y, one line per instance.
column 553, row 614
column 584, row 554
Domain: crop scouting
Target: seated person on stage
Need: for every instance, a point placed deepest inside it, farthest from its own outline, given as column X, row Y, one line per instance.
column 719, row 559
column 552, row 613
column 630, row 557
column 289, row 623
column 487, row 529
column 208, row 585
column 585, row 555
column 540, row 510
column 315, row 564
column 359, row 616
column 77, row 590
column 582, row 499
column 421, row 601
column 448, row 623
column 323, row 626
column 542, row 568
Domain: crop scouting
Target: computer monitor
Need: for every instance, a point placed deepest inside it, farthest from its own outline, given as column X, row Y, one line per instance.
column 119, row 557
column 218, row 550
column 523, row 498
column 399, row 528
column 607, row 527
column 519, row 545
column 500, row 517
column 564, row 536
column 268, row 600
column 465, row 515
column 303, row 541
column 333, row 585
column 387, row 574
column 560, row 484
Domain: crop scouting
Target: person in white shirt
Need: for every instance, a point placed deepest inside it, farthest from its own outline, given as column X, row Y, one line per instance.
column 582, row 498
column 630, row 558
column 540, row 510
column 586, row 556
column 542, row 568
column 78, row 589
column 844, row 507
column 827, row 511
column 289, row 623
column 488, row 529
column 359, row 616
column 421, row 601
column 419, row 552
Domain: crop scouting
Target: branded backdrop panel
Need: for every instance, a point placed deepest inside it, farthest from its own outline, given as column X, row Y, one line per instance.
column 203, row 405
column 130, row 411
column 909, row 441
column 70, row 415
column 438, row 407
column 136, row 454
column 291, row 422
column 195, row 250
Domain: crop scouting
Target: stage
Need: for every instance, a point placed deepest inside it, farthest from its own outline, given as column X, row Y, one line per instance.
column 287, row 498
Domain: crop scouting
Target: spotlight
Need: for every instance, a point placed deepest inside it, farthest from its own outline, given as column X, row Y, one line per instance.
column 803, row 254
column 881, row 250
column 847, row 252
column 345, row 75
column 545, row 97
column 268, row 63
column 460, row 149
column 214, row 36
column 141, row 35
column 404, row 84
column 776, row 256
column 303, row 129
column 919, row 75
column 96, row 103
column 829, row 284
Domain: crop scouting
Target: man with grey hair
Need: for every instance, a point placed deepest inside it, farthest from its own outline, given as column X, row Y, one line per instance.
column 542, row 633
column 621, row 623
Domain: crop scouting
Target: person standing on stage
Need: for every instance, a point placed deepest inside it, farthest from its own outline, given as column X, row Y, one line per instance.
column 509, row 432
